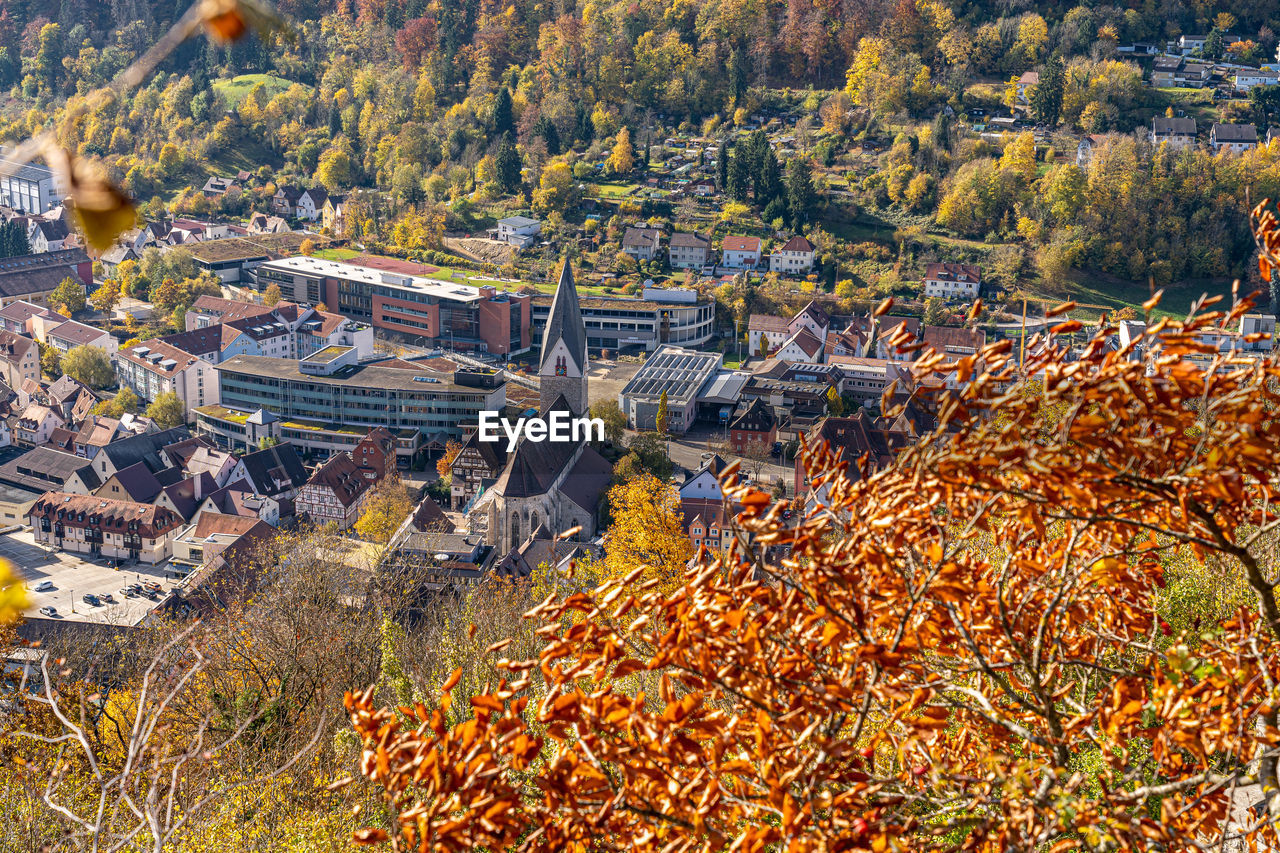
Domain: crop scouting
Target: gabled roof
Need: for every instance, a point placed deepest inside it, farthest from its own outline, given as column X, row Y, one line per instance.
column 218, row 524
column 14, row 347
column 767, row 323
column 342, row 477
column 43, row 467
column 1234, row 132
column 114, row 515
column 816, row 313
column 953, row 340
column 138, row 482
column 797, row 244
column 429, row 517
column 806, row 340
column 733, row 243
column 641, row 237
column 275, row 469
column 953, row 272
column 144, row 448
column 565, row 323
column 690, row 240
column 75, row 333
column 757, row 417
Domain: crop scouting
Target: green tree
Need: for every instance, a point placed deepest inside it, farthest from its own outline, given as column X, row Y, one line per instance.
column 125, row 401
column 14, row 242
column 48, row 60
column 503, row 120
column 167, row 410
column 722, row 167
column 660, row 422
column 507, row 164
column 69, row 295
column 90, row 365
column 1214, row 44
column 615, row 422
column 1046, row 99
column 651, row 452
column 801, row 195
column 50, row 361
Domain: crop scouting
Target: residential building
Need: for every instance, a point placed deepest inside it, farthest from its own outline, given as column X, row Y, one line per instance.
column 49, row 235
column 660, row 316
column 1246, row 78
column 861, row 443
column 375, row 455
column 335, row 493
column 1176, row 132
column 1169, row 72
column 44, row 468
column 952, row 281
column 1086, row 146
column 1188, row 44
column 155, row 367
column 426, row 310
column 102, row 527
column 18, row 317
column 812, row 317
column 334, row 216
column 330, row 390
column 754, row 428
column 770, row 330
column 678, row 373
column 518, row 231
column 210, row 310
column 29, row 187
column 261, row 223
column 274, row 472
column 207, row 541
column 35, row 425
column 216, row 186
column 641, row 243
column 19, row 359
column 689, row 250
column 311, row 204
column 285, row 201
column 866, row 378
column 475, row 468
column 1024, row 84
column 31, row 278
column 70, row 334
column 795, row 258
column 1232, row 137
column 740, row 253
column 802, row 345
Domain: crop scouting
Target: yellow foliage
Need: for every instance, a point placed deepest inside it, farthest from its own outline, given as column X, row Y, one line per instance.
column 13, row 596
column 648, row 531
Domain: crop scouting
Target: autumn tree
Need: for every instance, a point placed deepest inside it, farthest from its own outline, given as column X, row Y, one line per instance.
column 167, row 410
column 89, row 365
column 622, row 159
column 124, row 402
column 68, row 296
column 647, row 532
column 106, row 297
column 835, row 404
column 954, row 652
column 660, row 420
column 444, row 465
column 272, row 295
column 384, row 511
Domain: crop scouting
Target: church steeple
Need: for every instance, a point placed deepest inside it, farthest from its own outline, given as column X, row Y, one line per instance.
column 562, row 369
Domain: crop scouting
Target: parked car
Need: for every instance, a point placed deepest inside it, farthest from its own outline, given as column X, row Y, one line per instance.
column 777, row 449
column 106, row 597
column 90, row 599
column 152, row 585
column 48, row 611
column 127, row 592
column 44, row 586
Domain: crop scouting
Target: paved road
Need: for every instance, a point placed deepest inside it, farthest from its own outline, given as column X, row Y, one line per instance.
column 687, row 451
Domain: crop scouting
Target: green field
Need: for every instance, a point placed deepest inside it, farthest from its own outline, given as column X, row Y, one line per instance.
column 336, row 254
column 611, row 190
column 237, row 89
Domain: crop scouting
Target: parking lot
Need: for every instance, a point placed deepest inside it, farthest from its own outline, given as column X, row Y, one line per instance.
column 72, row 576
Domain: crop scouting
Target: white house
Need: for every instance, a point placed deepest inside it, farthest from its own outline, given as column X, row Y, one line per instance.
column 740, row 253
column 794, row 258
column 1024, row 84
column 311, row 203
column 641, row 243
column 1246, row 78
column 1174, row 132
column 518, row 231
column 1232, row 137
column 952, row 281
column 803, row 346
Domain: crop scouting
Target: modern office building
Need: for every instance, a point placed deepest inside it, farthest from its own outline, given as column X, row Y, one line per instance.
column 663, row 316
column 327, row 402
column 680, row 375
column 428, row 311
column 29, row 187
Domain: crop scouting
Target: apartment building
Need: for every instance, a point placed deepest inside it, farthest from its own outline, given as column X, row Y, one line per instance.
column 103, row 527
column 155, row 367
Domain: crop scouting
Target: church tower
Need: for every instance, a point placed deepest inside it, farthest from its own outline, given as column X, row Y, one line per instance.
column 563, row 369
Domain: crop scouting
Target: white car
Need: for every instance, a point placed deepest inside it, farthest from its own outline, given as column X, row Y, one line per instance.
column 48, row 611
column 44, row 586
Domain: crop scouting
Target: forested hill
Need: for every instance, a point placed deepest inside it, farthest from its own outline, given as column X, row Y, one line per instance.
column 461, row 112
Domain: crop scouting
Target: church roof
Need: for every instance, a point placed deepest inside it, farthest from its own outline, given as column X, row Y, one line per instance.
column 534, row 465
column 565, row 322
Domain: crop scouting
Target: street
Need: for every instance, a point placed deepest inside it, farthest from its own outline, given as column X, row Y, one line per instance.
column 687, row 450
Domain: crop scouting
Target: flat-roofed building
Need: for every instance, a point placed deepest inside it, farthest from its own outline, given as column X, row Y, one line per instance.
column 154, row 367
column 668, row 316
column 678, row 373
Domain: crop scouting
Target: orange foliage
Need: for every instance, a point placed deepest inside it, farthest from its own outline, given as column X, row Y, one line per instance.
column 960, row 650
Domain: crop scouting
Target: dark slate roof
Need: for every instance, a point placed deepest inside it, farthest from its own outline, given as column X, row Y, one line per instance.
column 1164, row 126
column 280, row 462
column 565, row 321
column 429, row 517
column 757, row 417
column 144, row 448
column 42, row 467
column 588, row 480
column 1235, row 133
column 138, row 482
column 534, row 466
column 27, row 274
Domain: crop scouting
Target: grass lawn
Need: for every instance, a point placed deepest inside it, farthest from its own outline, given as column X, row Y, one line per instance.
column 611, row 190
column 336, row 254
column 237, row 89
column 1095, row 288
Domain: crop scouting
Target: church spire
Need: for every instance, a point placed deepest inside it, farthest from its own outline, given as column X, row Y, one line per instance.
column 562, row 367
column 565, row 322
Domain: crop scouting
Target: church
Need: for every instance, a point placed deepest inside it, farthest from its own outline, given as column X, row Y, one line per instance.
column 552, row 486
